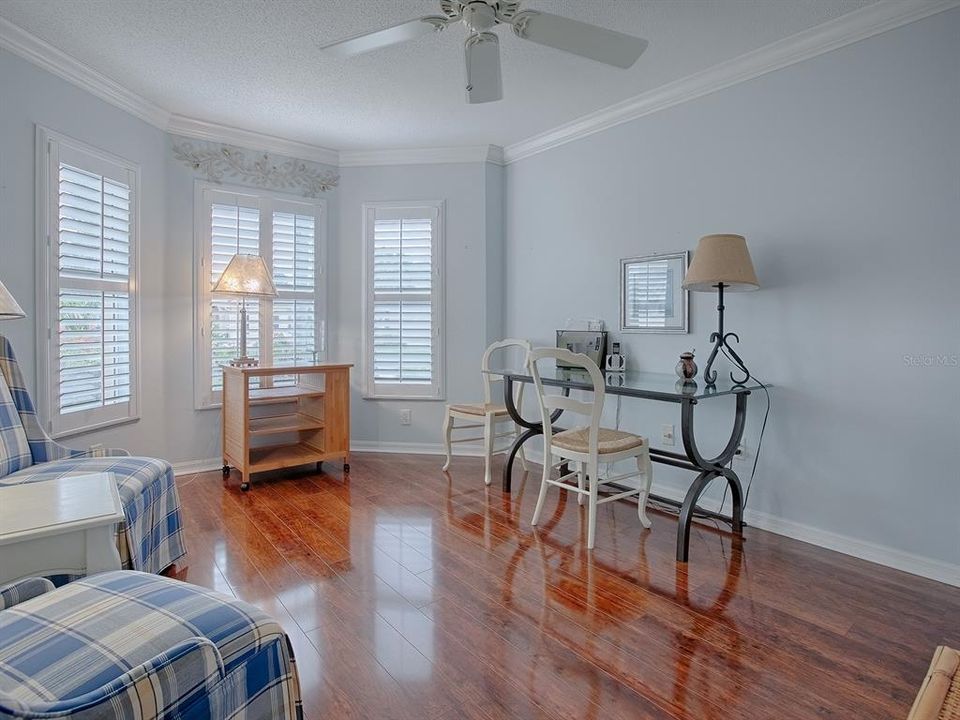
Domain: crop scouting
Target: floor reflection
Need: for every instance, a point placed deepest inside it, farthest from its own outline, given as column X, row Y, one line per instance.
column 590, row 589
column 402, row 544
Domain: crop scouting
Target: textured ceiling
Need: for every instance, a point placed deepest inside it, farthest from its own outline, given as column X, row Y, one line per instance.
column 255, row 64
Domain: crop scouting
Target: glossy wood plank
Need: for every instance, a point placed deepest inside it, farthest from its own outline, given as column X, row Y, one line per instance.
column 412, row 593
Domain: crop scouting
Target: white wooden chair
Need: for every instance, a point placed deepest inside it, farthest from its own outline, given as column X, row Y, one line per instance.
column 587, row 446
column 488, row 414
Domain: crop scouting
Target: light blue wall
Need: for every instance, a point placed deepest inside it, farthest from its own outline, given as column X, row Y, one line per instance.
column 843, row 174
column 31, row 96
column 473, row 232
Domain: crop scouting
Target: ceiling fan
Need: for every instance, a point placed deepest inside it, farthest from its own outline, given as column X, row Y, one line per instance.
column 482, row 47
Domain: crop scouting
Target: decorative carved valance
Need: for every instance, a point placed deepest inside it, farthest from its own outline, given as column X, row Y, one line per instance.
column 217, row 161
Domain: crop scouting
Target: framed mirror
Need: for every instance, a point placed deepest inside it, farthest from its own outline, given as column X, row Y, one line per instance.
column 652, row 298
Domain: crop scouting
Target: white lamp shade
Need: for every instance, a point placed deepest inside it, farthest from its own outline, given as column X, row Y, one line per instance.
column 721, row 259
column 9, row 309
column 246, row 275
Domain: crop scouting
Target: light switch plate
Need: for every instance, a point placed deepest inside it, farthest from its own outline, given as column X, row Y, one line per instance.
column 667, row 436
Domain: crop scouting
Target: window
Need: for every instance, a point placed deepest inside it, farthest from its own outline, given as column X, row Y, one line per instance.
column 404, row 300
column 652, row 298
column 286, row 330
column 88, row 251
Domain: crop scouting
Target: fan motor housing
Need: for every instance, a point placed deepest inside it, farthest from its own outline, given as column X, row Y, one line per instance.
column 502, row 10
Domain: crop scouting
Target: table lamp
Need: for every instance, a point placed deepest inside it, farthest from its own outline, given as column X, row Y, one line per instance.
column 246, row 276
column 9, row 309
column 722, row 262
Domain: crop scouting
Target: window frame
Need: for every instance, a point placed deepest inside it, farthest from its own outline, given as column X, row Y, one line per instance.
column 48, row 146
column 205, row 398
column 435, row 391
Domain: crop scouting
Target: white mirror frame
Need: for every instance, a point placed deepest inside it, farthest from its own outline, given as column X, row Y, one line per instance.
column 682, row 315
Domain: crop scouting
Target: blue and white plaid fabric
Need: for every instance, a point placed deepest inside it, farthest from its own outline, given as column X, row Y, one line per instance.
column 14, row 448
column 42, row 447
column 150, row 539
column 138, row 647
column 23, row 590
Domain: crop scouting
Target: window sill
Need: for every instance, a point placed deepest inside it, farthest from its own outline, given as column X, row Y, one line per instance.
column 93, row 428
column 405, row 398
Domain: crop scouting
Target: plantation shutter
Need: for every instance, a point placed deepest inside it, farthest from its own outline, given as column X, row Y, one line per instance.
column 285, row 330
column 92, row 351
column 404, row 291
column 295, row 277
column 649, row 290
column 234, row 228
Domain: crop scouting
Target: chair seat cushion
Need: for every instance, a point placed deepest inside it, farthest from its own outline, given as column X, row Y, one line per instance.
column 610, row 441
column 479, row 409
column 14, row 449
column 75, row 639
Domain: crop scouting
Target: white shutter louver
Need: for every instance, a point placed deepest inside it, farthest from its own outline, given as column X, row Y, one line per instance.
column 402, row 312
column 403, row 301
column 649, row 294
column 295, row 277
column 283, row 330
column 94, row 314
column 234, row 229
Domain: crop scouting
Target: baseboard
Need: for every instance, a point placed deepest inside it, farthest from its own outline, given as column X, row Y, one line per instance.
column 938, row 570
column 415, row 448
column 863, row 549
column 188, row 467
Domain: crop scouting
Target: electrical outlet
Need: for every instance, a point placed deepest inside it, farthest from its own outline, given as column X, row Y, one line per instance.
column 406, row 417
column 666, row 435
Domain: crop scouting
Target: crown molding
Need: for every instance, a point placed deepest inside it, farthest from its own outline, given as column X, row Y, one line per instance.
column 44, row 55
column 422, row 156
column 214, row 132
column 847, row 29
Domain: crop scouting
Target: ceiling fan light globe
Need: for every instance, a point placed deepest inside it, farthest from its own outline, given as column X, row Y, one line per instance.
column 478, row 17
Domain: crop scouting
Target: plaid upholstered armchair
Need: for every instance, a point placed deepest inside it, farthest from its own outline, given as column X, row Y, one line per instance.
column 150, row 538
column 132, row 646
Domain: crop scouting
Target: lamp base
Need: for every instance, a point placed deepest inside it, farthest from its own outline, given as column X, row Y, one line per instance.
column 244, row 362
column 720, row 342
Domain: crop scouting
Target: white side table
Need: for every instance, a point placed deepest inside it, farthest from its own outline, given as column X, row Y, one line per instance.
column 65, row 526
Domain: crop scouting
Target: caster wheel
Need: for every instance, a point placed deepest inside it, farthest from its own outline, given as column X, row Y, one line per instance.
column 319, row 466
column 245, row 486
column 225, row 469
column 346, row 467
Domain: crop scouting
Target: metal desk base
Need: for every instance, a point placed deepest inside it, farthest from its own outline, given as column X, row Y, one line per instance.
column 707, row 468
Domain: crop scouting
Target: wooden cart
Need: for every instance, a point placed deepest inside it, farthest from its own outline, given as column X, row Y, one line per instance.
column 280, row 417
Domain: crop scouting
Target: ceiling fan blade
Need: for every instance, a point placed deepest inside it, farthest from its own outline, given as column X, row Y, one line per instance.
column 580, row 38
column 484, row 83
column 388, row 36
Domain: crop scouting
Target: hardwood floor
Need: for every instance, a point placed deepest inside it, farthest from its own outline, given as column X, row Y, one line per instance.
column 412, row 594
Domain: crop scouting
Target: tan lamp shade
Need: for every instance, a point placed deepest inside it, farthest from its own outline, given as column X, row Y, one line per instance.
column 9, row 309
column 721, row 259
column 246, row 275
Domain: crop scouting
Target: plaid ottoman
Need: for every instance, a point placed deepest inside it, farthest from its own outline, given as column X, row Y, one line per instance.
column 131, row 645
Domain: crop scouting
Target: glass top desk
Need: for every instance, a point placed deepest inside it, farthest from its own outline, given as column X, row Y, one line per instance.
column 659, row 387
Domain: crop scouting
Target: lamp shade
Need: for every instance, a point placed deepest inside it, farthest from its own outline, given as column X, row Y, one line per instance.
column 246, row 275
column 9, row 309
column 721, row 259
